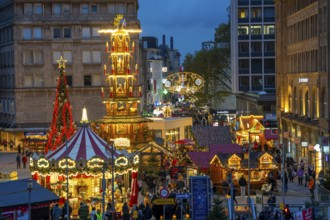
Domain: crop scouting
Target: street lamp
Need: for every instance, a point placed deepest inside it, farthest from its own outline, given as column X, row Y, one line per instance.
column 29, row 188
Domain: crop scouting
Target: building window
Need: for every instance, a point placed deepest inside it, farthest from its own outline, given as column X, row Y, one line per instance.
column 33, row 57
column 67, row 32
column 269, row 29
column 27, row 33
column 33, row 80
column 121, row 8
column 37, row 9
column 84, row 9
column 87, row 80
column 269, row 46
column 68, row 80
column 256, row 65
column 57, row 32
column 269, row 65
column 32, row 33
column 255, row 13
column 243, row 49
column 243, row 30
column 269, row 81
column 95, row 32
column 243, row 66
column 86, row 33
column 242, row 13
column 256, row 30
column 256, row 83
column 67, row 55
column 28, row 9
column 56, row 8
column 269, row 13
column 37, row 33
column 256, row 48
column 94, row 8
column 244, row 83
column 66, row 9
column 91, row 57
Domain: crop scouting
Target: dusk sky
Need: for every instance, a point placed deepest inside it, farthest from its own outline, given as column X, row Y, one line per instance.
column 190, row 22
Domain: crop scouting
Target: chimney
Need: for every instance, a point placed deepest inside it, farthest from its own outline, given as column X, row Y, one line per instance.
column 171, row 42
column 164, row 41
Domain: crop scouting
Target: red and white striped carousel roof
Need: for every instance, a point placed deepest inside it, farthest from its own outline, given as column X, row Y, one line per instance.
column 84, row 144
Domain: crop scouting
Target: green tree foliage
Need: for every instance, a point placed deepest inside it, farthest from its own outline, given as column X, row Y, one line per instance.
column 218, row 211
column 213, row 65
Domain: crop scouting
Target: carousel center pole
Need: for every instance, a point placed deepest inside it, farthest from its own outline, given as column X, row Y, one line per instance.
column 67, row 181
column 113, row 149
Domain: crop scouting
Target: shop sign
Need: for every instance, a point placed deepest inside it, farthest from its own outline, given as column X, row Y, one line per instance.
column 34, row 133
column 122, row 142
column 304, row 144
column 303, row 80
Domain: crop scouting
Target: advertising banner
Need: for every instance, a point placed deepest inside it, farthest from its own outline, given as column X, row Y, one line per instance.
column 200, row 202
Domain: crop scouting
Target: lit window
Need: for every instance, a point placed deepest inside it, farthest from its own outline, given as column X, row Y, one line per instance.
column 269, row 29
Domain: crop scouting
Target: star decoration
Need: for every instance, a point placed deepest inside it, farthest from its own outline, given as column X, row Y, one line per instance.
column 61, row 63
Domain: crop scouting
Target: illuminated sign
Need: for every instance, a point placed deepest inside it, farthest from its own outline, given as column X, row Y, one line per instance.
column 303, row 80
column 122, row 142
column 304, row 144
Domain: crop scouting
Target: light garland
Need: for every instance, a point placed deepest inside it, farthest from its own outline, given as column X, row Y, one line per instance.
column 62, row 163
column 95, row 163
column 42, row 163
column 31, row 162
column 121, row 161
column 136, row 159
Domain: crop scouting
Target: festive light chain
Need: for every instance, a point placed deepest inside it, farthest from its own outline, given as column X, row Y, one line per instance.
column 43, row 163
column 136, row 159
column 71, row 163
column 121, row 161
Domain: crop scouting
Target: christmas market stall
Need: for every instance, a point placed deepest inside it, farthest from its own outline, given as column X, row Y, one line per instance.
column 219, row 166
column 87, row 160
column 18, row 195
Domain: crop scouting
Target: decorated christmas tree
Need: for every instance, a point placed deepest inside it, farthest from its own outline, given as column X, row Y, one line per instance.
column 62, row 126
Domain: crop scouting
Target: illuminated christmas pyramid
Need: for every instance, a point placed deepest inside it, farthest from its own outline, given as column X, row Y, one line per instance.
column 122, row 122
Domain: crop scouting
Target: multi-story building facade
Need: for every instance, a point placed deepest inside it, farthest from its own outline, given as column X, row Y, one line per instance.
column 253, row 55
column 159, row 61
column 302, row 78
column 34, row 34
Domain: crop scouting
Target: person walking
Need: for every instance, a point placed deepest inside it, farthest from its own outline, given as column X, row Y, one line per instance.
column 109, row 211
column 24, row 161
column 287, row 213
column 56, row 212
column 19, row 149
column 311, row 186
column 306, row 178
column 242, row 184
column 271, row 202
column 234, row 195
column 300, row 175
column 18, row 161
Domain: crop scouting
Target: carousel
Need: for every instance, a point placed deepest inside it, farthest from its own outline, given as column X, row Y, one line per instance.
column 82, row 164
